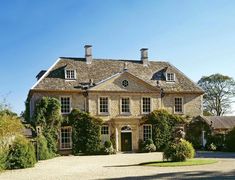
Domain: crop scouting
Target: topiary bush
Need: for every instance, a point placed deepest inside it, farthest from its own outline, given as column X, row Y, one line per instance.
column 163, row 124
column 86, row 133
column 179, row 151
column 148, row 146
column 230, row 140
column 21, row 154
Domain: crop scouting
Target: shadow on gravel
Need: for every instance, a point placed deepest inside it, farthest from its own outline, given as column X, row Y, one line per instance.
column 206, row 154
column 210, row 175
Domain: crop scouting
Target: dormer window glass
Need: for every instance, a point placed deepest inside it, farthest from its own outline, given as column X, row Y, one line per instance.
column 70, row 74
column 170, row 77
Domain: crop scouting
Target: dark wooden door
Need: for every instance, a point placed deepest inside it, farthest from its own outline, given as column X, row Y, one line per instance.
column 126, row 141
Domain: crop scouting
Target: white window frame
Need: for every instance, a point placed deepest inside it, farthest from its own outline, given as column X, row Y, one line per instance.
column 170, row 80
column 142, row 105
column 179, row 112
column 151, row 131
column 70, row 137
column 104, row 126
column 70, row 103
column 125, row 113
column 108, row 104
column 66, row 75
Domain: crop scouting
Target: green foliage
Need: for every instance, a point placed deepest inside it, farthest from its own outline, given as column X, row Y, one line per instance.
column 219, row 90
column 108, row 148
column 179, row 151
column 194, row 132
column 163, row 124
column 9, row 126
column 211, row 147
column 86, row 132
column 230, row 140
column 148, row 146
column 26, row 113
column 21, row 154
column 3, row 158
column 48, row 115
column 43, row 151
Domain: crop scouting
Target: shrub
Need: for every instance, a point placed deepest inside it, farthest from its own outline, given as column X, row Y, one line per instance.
column 211, row 147
column 42, row 148
column 230, row 140
column 179, row 151
column 86, row 133
column 149, row 146
column 3, row 158
column 108, row 148
column 21, row 154
column 194, row 132
column 163, row 124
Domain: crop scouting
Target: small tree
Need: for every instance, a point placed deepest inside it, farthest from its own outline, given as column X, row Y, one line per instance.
column 219, row 91
column 163, row 124
column 86, row 132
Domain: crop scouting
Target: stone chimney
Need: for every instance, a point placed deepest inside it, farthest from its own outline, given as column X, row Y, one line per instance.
column 88, row 53
column 144, row 56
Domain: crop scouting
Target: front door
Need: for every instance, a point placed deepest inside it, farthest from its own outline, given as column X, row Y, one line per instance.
column 126, row 143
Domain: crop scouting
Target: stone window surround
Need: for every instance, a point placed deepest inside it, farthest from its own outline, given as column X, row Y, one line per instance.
column 70, row 137
column 172, row 77
column 176, row 112
column 141, row 104
column 103, row 113
column 70, row 103
column 68, row 77
column 125, row 113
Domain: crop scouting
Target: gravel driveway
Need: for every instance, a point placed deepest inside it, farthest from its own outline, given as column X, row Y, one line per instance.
column 120, row 166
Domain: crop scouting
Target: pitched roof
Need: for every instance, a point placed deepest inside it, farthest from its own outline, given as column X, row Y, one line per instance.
column 220, row 122
column 101, row 69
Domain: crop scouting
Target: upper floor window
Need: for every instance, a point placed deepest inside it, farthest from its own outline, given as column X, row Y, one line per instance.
column 65, row 105
column 66, row 137
column 178, row 105
column 70, row 74
column 125, row 105
column 104, row 105
column 147, row 131
column 146, row 105
column 170, row 77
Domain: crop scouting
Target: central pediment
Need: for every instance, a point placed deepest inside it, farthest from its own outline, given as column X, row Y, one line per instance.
column 124, row 82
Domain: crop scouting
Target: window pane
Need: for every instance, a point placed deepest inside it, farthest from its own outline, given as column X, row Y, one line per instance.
column 66, row 138
column 178, row 105
column 104, row 130
column 125, row 105
column 103, row 104
column 147, row 132
column 65, row 104
column 146, row 105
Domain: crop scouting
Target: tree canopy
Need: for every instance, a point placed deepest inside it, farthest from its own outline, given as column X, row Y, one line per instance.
column 219, row 91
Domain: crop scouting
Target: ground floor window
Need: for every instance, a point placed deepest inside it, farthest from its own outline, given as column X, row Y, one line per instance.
column 147, row 132
column 105, row 133
column 66, row 137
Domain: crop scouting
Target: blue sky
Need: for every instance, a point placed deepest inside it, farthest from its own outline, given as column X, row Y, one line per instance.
column 198, row 36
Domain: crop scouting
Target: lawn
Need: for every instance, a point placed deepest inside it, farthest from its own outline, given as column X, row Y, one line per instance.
column 190, row 162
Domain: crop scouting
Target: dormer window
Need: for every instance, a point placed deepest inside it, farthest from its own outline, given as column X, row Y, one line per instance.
column 70, row 74
column 170, row 77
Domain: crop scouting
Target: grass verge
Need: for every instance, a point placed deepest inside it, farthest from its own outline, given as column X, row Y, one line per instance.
column 189, row 162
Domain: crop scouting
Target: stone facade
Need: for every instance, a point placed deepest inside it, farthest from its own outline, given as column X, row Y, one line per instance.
column 86, row 80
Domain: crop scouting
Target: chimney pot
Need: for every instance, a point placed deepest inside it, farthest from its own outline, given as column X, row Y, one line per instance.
column 88, row 53
column 144, row 56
